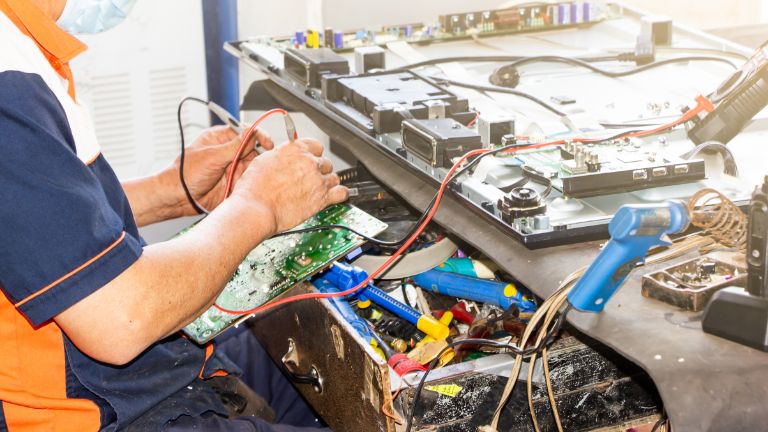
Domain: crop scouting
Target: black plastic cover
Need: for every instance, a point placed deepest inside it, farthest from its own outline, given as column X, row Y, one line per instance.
column 309, row 65
column 439, row 141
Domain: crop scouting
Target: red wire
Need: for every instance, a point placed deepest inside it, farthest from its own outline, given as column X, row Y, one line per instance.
column 244, row 143
column 378, row 271
column 703, row 104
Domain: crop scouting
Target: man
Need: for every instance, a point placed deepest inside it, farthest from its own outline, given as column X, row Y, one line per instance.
column 90, row 316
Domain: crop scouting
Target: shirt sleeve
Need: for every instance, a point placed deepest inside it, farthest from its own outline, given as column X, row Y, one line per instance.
column 60, row 240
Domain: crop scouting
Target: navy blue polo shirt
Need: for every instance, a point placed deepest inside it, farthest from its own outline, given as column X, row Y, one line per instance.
column 66, row 230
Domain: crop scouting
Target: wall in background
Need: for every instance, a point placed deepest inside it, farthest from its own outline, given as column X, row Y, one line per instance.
column 707, row 14
column 133, row 77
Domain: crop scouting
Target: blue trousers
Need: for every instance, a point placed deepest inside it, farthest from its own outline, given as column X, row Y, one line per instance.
column 262, row 375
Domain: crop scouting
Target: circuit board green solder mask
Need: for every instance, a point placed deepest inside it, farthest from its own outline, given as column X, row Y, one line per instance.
column 280, row 263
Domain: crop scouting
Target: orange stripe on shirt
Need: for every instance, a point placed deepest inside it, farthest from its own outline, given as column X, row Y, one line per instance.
column 209, row 348
column 93, row 159
column 208, row 355
column 73, row 272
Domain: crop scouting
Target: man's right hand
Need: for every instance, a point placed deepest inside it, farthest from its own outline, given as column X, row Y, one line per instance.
column 293, row 182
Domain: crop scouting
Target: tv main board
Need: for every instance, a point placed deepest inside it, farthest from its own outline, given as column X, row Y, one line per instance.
column 280, row 263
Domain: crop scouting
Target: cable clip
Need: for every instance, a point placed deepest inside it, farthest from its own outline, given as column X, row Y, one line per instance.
column 703, row 103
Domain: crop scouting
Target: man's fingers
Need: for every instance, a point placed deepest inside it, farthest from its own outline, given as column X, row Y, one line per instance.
column 231, row 147
column 325, row 165
column 338, row 194
column 312, row 146
column 221, row 134
column 264, row 139
column 332, row 180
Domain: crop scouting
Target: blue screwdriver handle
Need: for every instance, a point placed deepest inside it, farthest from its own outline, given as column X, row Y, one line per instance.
column 346, row 277
column 501, row 294
column 385, row 301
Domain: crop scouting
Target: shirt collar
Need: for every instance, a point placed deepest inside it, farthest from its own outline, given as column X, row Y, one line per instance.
column 40, row 27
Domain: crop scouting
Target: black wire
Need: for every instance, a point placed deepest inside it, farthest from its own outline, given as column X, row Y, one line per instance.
column 623, row 57
column 504, row 90
column 504, row 58
column 707, row 51
column 545, row 343
column 614, row 74
column 729, row 162
column 198, row 208
column 567, row 60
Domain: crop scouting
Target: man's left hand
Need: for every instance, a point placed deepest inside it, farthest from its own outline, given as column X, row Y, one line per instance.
column 207, row 162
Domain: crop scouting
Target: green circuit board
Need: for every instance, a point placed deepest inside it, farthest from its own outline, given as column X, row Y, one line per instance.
column 613, row 167
column 281, row 263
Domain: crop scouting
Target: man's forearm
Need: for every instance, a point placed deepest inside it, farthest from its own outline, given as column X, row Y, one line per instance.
column 156, row 198
column 169, row 286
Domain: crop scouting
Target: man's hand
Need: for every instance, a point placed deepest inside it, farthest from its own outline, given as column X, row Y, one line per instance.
column 293, row 182
column 207, row 162
column 161, row 197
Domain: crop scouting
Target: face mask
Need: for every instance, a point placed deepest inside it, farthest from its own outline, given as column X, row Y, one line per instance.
column 93, row 16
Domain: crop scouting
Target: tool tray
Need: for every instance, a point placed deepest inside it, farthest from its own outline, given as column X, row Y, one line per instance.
column 683, row 285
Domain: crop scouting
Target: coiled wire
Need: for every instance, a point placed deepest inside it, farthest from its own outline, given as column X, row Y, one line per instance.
column 723, row 220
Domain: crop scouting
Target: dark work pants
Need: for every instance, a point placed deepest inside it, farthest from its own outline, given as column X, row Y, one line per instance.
column 265, row 378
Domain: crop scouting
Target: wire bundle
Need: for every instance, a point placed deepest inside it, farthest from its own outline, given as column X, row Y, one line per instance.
column 723, row 220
